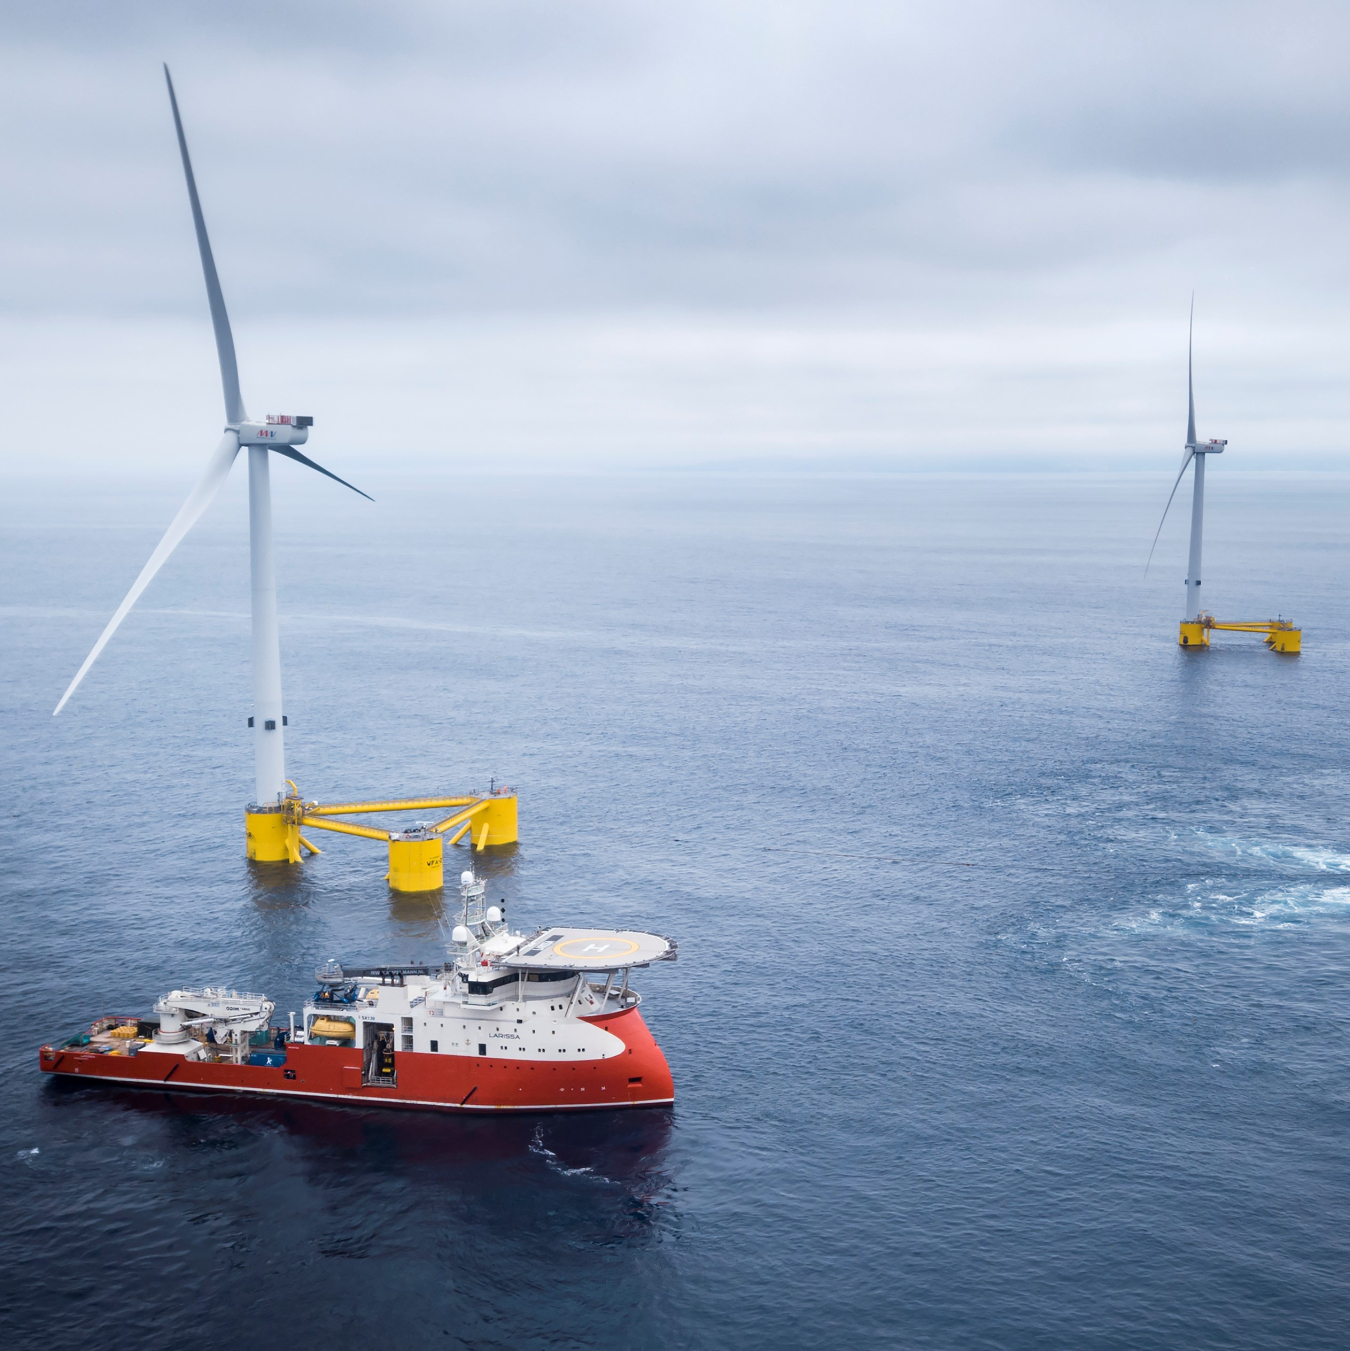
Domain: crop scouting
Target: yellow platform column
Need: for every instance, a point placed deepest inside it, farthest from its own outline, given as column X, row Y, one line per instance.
column 1193, row 634
column 415, row 861
column 1286, row 640
column 271, row 835
column 500, row 820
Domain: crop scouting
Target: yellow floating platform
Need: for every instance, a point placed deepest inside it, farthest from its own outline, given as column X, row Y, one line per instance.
column 416, row 861
column 416, row 857
column 1280, row 635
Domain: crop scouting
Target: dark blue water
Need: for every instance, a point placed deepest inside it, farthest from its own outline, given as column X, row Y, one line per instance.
column 1011, row 1008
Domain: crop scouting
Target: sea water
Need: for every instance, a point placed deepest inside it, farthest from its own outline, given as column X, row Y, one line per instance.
column 1011, row 1007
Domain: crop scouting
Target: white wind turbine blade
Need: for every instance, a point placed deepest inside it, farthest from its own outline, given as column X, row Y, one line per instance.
column 292, row 453
column 220, row 321
column 1190, row 384
column 1190, row 455
column 201, row 497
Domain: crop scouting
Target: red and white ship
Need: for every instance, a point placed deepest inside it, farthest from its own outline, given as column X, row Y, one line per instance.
column 508, row 1023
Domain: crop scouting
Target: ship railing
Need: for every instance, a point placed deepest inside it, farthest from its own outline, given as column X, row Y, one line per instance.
column 208, row 992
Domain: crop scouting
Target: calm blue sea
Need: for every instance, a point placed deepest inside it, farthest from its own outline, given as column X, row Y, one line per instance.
column 1012, row 1001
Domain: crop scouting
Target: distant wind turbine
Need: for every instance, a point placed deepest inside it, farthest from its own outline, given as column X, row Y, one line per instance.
column 1197, row 452
column 281, row 434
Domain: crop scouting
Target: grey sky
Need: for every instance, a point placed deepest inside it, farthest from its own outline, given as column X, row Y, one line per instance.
column 598, row 233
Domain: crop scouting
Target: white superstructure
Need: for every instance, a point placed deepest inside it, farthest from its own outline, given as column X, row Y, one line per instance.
column 501, row 994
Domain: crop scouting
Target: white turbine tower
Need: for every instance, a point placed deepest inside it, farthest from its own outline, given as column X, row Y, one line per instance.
column 278, row 433
column 1197, row 452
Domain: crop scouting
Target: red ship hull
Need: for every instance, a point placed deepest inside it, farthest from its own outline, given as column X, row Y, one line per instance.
column 637, row 1077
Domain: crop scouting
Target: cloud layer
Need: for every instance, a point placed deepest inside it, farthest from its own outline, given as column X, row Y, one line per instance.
column 535, row 233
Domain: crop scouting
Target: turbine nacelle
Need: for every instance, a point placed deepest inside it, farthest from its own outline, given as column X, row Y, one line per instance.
column 280, row 429
column 1214, row 446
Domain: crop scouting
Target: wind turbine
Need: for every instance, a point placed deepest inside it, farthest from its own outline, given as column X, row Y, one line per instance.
column 1196, row 452
column 282, row 434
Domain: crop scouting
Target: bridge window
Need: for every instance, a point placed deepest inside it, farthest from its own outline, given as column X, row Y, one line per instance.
column 487, row 986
